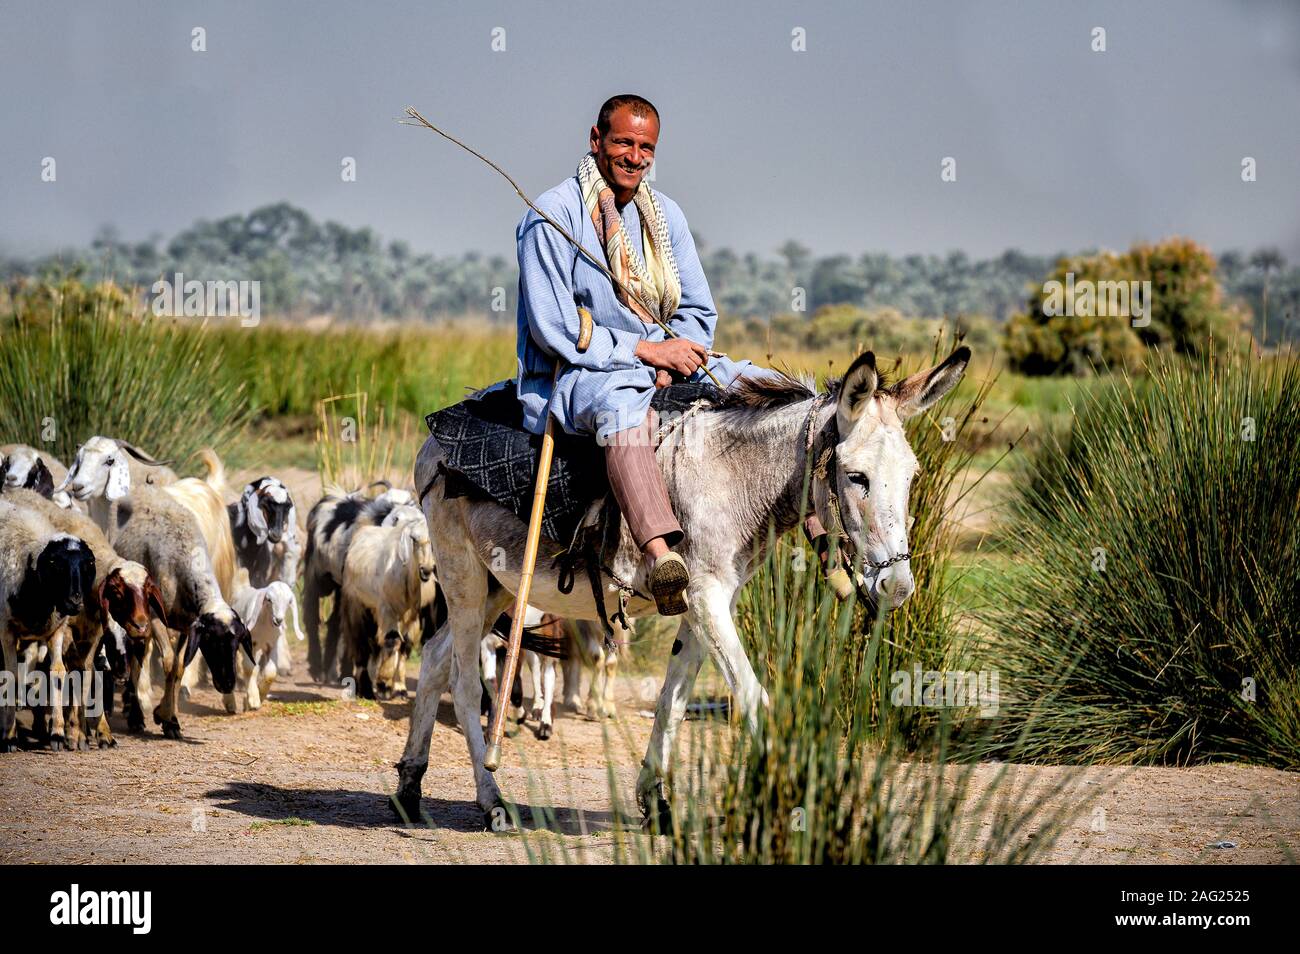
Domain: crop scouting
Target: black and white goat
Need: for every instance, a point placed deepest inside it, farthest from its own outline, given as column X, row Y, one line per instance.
column 264, row 522
column 46, row 577
column 26, row 467
column 161, row 533
column 330, row 526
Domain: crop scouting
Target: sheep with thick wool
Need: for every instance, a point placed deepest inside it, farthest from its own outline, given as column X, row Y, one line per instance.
column 46, row 577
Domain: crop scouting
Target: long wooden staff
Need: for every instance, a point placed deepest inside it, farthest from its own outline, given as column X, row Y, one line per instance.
column 496, row 728
column 633, row 297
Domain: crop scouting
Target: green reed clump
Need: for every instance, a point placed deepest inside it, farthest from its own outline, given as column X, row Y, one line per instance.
column 1161, row 567
column 77, row 360
column 826, row 776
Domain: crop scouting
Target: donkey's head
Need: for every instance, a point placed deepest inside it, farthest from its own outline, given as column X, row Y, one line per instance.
column 874, row 467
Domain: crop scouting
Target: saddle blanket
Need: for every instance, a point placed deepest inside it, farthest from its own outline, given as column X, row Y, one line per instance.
column 489, row 455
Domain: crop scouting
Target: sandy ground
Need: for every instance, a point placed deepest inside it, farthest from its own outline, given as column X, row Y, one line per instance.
column 305, row 780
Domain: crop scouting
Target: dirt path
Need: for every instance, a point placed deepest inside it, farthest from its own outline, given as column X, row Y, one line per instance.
column 305, row 780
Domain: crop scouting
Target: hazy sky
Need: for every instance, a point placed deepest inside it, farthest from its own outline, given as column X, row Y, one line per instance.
column 1057, row 147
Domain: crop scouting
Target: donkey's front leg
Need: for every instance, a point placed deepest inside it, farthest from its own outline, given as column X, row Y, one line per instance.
column 709, row 612
column 683, row 666
column 435, row 672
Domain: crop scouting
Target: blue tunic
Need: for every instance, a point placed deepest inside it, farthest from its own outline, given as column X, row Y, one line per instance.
column 605, row 388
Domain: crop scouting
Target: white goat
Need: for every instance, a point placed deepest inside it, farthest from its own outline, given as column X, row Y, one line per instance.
column 265, row 611
column 388, row 577
column 541, row 668
column 587, row 650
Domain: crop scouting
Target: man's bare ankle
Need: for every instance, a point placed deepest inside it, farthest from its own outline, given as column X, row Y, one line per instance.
column 655, row 548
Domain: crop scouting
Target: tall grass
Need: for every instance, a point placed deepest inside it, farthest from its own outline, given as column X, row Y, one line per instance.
column 829, row 774
column 75, row 362
column 1160, row 550
column 355, row 444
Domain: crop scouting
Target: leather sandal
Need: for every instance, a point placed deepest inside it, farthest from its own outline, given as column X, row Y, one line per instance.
column 668, row 580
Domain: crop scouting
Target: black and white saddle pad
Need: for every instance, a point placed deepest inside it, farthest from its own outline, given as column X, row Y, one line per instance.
column 490, row 456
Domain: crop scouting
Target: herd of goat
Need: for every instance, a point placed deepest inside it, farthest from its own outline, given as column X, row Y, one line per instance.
column 117, row 569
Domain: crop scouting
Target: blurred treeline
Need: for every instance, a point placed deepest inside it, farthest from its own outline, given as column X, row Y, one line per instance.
column 308, row 268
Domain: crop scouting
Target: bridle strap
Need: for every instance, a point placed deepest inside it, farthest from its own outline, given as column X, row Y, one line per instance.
column 822, row 471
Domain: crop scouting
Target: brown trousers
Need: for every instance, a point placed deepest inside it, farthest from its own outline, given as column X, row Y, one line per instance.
column 639, row 486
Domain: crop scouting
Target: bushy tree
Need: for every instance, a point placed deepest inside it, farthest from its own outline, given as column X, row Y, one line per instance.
column 1101, row 311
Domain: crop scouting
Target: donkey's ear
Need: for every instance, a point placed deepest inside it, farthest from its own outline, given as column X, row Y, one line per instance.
column 858, row 387
column 918, row 392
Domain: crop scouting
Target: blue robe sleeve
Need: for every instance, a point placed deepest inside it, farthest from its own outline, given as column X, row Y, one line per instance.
column 546, row 288
column 696, row 315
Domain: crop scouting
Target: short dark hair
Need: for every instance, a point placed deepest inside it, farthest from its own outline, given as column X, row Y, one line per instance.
column 639, row 104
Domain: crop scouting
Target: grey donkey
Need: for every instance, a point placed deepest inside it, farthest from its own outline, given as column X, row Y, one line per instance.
column 731, row 470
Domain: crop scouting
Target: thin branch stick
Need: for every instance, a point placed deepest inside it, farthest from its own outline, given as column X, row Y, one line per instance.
column 632, row 296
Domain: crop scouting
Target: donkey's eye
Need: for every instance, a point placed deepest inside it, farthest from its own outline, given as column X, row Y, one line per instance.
column 859, row 479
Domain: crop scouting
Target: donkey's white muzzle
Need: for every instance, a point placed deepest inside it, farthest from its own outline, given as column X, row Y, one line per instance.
column 893, row 585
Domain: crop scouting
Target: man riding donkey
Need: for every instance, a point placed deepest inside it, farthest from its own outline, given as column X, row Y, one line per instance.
column 605, row 390
column 593, row 350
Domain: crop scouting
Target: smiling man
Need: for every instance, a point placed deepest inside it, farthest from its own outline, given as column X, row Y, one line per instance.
column 642, row 237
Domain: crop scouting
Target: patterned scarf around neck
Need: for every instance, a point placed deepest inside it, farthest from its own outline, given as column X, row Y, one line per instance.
column 654, row 279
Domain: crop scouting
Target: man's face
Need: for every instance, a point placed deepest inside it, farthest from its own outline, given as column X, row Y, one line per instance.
column 624, row 154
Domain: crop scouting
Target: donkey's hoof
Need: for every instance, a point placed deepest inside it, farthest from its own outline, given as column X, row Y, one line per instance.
column 171, row 729
column 135, row 721
column 405, row 804
column 8, row 745
column 543, row 731
column 107, row 742
column 659, row 821
column 57, row 743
